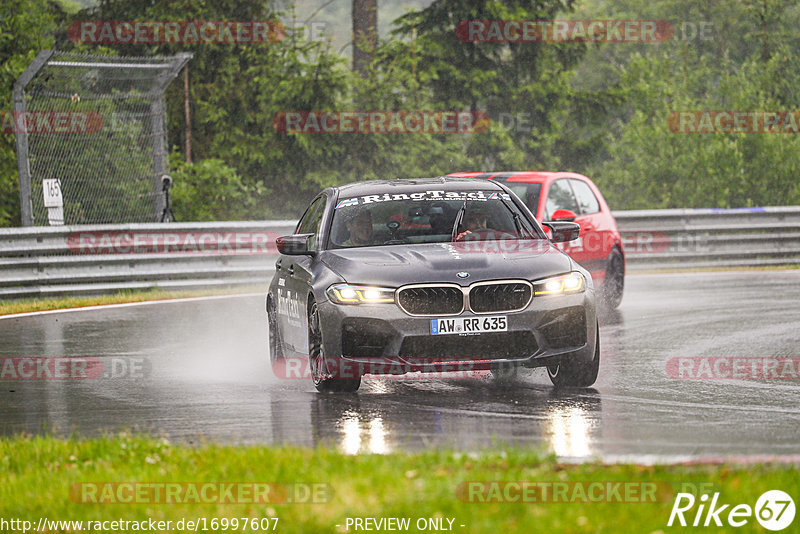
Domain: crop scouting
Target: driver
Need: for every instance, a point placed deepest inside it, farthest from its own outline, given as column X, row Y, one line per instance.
column 475, row 219
column 359, row 225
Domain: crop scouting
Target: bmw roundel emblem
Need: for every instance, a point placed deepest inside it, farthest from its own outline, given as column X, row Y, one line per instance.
column 463, row 274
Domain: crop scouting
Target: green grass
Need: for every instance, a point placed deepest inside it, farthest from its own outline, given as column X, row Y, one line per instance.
column 8, row 307
column 38, row 473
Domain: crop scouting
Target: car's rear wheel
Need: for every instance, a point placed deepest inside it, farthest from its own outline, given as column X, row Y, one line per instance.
column 571, row 372
column 275, row 341
column 326, row 372
column 614, row 283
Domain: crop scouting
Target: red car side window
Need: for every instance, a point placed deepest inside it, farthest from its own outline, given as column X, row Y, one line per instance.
column 560, row 197
column 585, row 197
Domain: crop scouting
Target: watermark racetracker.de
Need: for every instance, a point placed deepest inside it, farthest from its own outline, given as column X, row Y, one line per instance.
column 169, row 242
column 199, row 492
column 381, row 122
column 260, row 242
column 573, row 491
column 73, row 368
column 733, row 121
column 171, row 31
column 734, row 368
column 299, row 368
column 43, row 122
column 582, row 31
column 560, row 31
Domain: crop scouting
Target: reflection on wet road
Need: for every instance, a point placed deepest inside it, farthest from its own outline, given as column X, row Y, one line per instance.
column 198, row 370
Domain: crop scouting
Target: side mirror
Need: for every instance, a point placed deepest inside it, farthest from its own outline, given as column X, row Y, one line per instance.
column 563, row 231
column 294, row 245
column 564, row 215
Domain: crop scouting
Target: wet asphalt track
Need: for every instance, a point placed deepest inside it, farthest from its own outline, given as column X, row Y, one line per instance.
column 203, row 374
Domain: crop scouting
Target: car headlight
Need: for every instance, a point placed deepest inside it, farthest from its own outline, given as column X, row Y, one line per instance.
column 350, row 294
column 560, row 285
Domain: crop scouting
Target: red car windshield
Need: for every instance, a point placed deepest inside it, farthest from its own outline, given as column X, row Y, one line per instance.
column 528, row 193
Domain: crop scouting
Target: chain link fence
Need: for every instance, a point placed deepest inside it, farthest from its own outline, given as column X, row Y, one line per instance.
column 91, row 138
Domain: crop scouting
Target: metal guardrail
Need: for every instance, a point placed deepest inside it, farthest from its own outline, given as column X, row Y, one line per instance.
column 77, row 260
column 95, row 259
column 710, row 238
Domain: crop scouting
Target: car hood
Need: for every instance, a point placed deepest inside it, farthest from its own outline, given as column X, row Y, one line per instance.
column 396, row 265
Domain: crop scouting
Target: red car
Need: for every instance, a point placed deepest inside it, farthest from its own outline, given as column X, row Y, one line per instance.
column 567, row 196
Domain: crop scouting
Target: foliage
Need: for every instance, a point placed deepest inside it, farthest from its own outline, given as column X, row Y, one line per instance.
column 526, row 82
column 596, row 108
column 26, row 27
column 210, row 190
column 648, row 166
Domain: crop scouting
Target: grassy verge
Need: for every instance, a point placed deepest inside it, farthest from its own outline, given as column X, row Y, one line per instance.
column 49, row 477
column 8, row 307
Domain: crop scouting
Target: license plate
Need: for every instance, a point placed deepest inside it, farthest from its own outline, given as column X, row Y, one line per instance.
column 468, row 325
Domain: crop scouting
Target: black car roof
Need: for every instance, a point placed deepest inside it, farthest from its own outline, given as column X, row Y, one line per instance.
column 411, row 185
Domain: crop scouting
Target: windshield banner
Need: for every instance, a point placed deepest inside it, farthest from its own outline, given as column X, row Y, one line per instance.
column 424, row 195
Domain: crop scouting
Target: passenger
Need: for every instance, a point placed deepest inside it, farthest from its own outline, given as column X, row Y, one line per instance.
column 359, row 225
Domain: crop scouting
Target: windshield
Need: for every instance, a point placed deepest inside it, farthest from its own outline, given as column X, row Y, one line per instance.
column 428, row 217
column 529, row 193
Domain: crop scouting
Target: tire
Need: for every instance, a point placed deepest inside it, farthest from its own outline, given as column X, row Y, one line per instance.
column 275, row 341
column 614, row 283
column 575, row 373
column 325, row 379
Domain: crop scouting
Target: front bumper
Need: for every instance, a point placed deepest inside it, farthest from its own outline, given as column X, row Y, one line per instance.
column 382, row 339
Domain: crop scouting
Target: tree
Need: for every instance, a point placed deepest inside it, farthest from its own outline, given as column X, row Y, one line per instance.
column 649, row 166
column 26, row 27
column 237, row 89
column 525, row 82
column 365, row 33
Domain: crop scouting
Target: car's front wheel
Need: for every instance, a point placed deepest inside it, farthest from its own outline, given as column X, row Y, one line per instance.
column 571, row 372
column 614, row 283
column 328, row 373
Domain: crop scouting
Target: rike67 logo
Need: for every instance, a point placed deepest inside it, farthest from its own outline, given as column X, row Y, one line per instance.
column 774, row 510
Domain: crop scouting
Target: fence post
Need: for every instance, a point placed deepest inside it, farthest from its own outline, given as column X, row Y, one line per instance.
column 23, row 163
column 158, row 116
column 159, row 152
